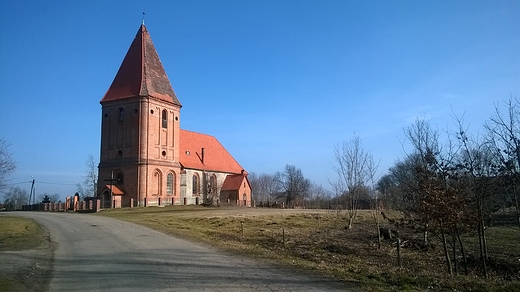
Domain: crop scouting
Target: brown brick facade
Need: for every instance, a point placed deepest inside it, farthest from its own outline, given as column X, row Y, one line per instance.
column 142, row 155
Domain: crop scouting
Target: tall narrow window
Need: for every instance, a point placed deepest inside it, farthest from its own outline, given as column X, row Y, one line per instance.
column 121, row 114
column 212, row 185
column 119, row 178
column 169, row 184
column 195, row 184
column 156, row 187
column 164, row 119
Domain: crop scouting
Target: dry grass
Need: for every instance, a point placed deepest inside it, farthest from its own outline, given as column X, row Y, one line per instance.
column 18, row 233
column 317, row 240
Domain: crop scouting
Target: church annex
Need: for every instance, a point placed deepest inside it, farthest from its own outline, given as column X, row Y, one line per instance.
column 146, row 159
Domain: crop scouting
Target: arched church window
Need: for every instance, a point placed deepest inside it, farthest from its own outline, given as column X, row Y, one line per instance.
column 170, row 183
column 195, row 184
column 212, row 184
column 164, row 119
column 119, row 178
column 121, row 114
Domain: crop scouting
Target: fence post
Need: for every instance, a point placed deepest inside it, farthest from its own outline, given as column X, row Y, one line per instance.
column 283, row 234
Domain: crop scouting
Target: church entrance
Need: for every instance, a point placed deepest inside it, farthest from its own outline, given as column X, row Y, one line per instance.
column 105, row 200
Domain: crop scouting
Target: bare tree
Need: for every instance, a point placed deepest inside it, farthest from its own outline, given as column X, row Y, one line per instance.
column 319, row 197
column 504, row 136
column 15, row 198
column 264, row 187
column 89, row 186
column 91, row 177
column 7, row 164
column 434, row 196
column 255, row 187
column 293, row 185
column 80, row 191
column 478, row 175
column 354, row 168
column 212, row 189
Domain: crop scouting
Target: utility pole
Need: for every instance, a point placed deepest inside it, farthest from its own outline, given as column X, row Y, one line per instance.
column 32, row 191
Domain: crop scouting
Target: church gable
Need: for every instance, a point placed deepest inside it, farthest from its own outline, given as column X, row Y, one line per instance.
column 235, row 182
column 236, row 190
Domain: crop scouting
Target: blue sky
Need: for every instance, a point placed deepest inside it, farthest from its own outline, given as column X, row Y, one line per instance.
column 277, row 82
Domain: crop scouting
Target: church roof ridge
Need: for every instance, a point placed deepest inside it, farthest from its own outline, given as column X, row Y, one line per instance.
column 141, row 73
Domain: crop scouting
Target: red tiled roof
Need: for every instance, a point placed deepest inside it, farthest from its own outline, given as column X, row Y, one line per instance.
column 141, row 73
column 233, row 182
column 214, row 157
column 115, row 190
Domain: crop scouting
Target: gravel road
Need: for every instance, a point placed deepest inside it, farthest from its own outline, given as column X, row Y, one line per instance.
column 102, row 254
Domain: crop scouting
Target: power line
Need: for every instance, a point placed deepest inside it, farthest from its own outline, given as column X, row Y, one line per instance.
column 51, row 183
column 41, row 182
column 19, row 183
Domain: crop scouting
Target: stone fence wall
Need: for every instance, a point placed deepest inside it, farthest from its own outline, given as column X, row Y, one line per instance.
column 92, row 204
column 71, row 204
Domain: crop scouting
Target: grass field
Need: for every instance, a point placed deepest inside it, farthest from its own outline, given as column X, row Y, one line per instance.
column 317, row 240
column 17, row 234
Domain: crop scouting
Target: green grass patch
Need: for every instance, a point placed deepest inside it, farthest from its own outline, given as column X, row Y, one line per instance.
column 18, row 233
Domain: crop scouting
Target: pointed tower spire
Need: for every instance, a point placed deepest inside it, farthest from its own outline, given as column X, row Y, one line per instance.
column 141, row 73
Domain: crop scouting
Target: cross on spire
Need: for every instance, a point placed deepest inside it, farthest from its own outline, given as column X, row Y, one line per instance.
column 143, row 18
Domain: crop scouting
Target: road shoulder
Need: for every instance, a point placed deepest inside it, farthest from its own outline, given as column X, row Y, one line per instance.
column 28, row 270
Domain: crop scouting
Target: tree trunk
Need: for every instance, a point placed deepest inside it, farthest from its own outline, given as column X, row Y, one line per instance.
column 446, row 252
column 350, row 219
column 481, row 245
column 484, row 241
column 455, row 253
column 378, row 234
column 517, row 208
column 378, row 228
column 462, row 252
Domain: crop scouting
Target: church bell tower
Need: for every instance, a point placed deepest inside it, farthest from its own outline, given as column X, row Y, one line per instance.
column 140, row 128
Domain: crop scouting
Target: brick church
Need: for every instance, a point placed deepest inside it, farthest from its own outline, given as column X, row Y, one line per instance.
column 146, row 158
